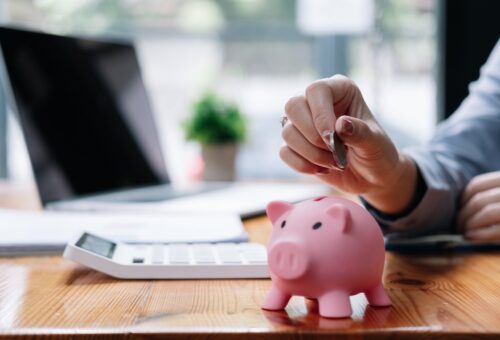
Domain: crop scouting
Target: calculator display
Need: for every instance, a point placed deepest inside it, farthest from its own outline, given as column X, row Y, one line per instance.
column 96, row 245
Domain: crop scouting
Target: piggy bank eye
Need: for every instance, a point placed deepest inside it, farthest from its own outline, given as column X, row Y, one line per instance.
column 317, row 225
column 283, row 224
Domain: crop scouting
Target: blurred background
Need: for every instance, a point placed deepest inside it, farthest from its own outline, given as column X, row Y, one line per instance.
column 257, row 53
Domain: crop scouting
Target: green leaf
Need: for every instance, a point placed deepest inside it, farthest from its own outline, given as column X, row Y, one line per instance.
column 215, row 121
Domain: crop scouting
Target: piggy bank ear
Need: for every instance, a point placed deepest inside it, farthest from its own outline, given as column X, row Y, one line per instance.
column 276, row 209
column 342, row 215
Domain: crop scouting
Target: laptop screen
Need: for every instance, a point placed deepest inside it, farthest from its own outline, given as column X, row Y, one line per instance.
column 84, row 113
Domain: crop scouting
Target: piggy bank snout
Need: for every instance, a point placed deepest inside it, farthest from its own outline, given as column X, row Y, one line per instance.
column 288, row 260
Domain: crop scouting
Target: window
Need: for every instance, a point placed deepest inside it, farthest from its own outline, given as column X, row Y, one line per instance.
column 256, row 53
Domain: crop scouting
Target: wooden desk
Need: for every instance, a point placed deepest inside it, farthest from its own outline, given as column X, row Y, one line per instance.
column 434, row 296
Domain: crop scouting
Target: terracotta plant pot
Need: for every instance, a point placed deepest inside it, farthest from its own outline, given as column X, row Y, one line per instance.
column 219, row 161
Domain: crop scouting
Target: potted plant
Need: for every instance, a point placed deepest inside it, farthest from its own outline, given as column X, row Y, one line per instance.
column 219, row 127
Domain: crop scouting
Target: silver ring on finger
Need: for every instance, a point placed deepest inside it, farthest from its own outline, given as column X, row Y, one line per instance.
column 283, row 121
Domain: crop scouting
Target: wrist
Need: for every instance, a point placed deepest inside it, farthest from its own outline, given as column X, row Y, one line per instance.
column 397, row 194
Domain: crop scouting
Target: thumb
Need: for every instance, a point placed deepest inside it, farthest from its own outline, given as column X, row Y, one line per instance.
column 357, row 133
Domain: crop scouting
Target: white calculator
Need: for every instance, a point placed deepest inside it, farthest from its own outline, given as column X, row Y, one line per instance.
column 169, row 261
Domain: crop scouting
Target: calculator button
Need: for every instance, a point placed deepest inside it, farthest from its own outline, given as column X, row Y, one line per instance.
column 179, row 254
column 157, row 254
column 256, row 257
column 137, row 260
column 254, row 253
column 259, row 260
column 179, row 260
column 228, row 253
column 203, row 253
column 205, row 260
column 230, row 259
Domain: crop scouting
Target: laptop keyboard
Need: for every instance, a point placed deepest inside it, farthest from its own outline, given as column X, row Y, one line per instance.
column 158, row 193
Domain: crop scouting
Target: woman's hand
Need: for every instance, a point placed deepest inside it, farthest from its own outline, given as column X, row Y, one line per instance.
column 385, row 177
column 479, row 216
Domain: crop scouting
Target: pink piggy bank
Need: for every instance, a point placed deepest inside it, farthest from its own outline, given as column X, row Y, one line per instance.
column 327, row 249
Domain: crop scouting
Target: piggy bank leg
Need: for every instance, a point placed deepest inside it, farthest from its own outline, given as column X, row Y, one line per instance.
column 377, row 296
column 276, row 299
column 335, row 304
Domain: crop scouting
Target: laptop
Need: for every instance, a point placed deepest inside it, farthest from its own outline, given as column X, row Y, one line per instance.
column 91, row 135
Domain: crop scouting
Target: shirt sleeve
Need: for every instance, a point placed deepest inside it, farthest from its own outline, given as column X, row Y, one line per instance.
column 465, row 145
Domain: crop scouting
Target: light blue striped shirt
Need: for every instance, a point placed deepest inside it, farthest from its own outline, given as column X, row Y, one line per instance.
column 465, row 145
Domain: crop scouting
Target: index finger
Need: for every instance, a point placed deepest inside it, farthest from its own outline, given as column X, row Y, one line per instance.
column 322, row 95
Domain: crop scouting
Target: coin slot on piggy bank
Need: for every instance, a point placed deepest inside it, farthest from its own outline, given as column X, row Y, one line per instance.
column 328, row 249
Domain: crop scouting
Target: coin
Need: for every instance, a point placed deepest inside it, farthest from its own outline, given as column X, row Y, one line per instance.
column 339, row 151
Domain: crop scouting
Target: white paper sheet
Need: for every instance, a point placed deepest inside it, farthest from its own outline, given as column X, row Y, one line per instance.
column 40, row 231
column 244, row 199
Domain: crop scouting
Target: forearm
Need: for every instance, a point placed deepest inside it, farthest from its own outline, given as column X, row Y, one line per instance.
column 464, row 146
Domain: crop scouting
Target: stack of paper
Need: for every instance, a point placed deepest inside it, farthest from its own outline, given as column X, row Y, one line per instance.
column 32, row 232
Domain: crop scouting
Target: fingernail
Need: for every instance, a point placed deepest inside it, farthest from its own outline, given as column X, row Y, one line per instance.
column 326, row 137
column 469, row 234
column 334, row 166
column 347, row 127
column 322, row 171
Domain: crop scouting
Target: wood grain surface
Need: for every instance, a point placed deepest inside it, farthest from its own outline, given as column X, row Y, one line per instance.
column 434, row 296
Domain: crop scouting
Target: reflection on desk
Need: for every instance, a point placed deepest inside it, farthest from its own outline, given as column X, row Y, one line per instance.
column 456, row 294
column 449, row 295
